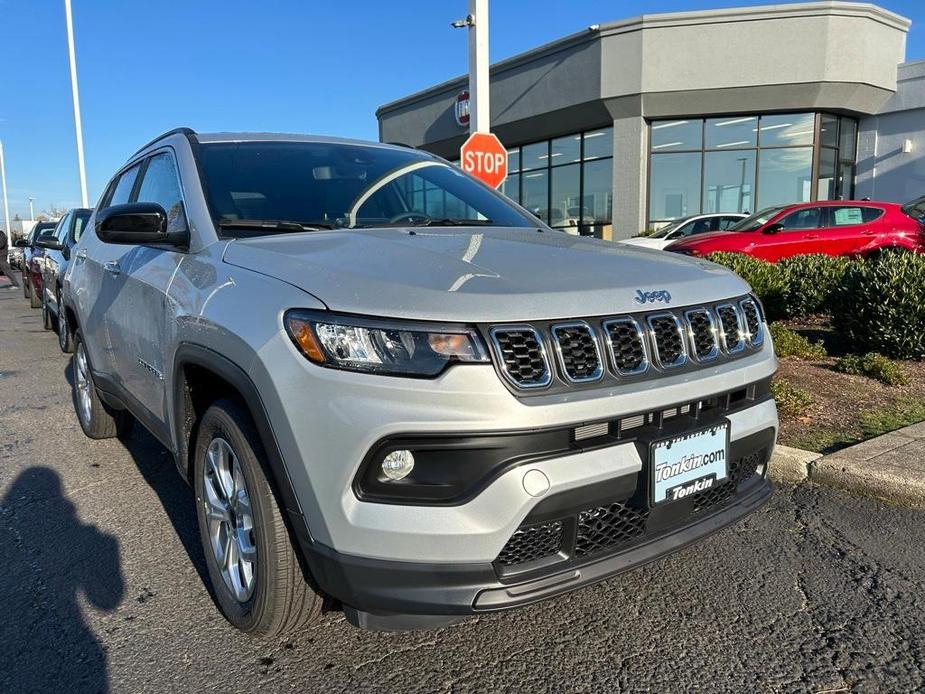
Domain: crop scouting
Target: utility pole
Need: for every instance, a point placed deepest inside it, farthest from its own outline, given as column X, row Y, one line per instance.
column 77, row 127
column 6, row 204
column 478, row 67
column 31, row 210
column 477, row 24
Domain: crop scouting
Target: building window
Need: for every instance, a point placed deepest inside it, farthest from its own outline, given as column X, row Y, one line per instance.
column 747, row 162
column 567, row 181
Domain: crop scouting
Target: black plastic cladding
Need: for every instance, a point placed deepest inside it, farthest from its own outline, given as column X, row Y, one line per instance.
column 629, row 355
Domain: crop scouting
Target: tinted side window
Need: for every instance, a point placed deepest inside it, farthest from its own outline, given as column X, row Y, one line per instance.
column 728, row 222
column 871, row 213
column 79, row 221
column 123, row 190
column 160, row 185
column 802, row 219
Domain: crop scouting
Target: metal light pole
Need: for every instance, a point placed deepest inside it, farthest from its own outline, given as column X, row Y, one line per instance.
column 77, row 127
column 477, row 23
column 6, row 204
column 31, row 211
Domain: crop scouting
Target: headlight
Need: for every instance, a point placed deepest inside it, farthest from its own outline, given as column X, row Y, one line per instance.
column 402, row 348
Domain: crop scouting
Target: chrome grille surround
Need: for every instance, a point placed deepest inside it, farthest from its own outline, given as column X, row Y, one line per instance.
column 567, row 353
column 727, row 313
column 666, row 337
column 694, row 318
column 511, row 361
column 632, row 338
column 753, row 323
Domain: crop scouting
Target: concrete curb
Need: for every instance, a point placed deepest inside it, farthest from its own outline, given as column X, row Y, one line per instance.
column 890, row 467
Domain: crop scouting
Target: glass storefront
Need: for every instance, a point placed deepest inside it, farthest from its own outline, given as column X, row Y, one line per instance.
column 567, row 181
column 748, row 162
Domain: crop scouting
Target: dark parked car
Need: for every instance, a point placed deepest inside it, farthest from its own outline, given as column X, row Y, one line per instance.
column 55, row 258
column 29, row 250
column 856, row 228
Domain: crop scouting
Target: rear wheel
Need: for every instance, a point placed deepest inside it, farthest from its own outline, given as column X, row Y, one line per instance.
column 255, row 574
column 98, row 420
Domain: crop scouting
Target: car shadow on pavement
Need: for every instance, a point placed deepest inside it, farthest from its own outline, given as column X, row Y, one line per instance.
column 156, row 466
column 50, row 558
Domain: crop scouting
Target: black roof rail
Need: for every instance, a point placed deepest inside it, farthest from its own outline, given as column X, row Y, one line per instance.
column 189, row 132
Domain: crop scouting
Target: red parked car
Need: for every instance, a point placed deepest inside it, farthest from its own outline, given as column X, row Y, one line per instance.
column 834, row 227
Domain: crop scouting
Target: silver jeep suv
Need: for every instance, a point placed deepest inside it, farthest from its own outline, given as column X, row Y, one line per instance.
column 388, row 384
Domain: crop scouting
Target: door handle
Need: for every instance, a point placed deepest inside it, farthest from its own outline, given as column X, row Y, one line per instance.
column 82, row 254
column 112, row 267
column 811, row 236
column 867, row 232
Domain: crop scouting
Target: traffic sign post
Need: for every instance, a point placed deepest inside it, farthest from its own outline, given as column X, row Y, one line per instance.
column 484, row 157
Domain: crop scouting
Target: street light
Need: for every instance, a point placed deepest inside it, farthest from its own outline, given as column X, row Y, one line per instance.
column 77, row 127
column 477, row 23
column 31, row 211
column 6, row 204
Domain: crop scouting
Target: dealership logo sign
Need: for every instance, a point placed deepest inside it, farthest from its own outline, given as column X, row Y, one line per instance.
column 462, row 109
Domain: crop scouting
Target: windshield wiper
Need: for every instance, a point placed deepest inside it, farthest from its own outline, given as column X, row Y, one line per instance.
column 273, row 225
column 450, row 222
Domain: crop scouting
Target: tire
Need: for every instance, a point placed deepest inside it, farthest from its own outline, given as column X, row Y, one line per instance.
column 65, row 338
column 35, row 299
column 98, row 420
column 267, row 595
column 48, row 321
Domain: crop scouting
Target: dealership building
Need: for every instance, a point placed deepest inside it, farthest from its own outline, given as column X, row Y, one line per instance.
column 630, row 124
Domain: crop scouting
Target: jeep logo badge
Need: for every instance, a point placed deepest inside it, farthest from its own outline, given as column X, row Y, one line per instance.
column 651, row 297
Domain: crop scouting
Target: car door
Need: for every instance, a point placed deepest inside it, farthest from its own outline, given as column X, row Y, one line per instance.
column 52, row 262
column 139, row 317
column 94, row 283
column 799, row 232
column 851, row 229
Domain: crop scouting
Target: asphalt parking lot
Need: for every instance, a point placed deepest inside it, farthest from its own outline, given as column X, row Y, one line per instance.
column 102, row 587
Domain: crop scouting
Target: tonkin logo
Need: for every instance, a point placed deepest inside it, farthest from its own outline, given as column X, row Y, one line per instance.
column 651, row 297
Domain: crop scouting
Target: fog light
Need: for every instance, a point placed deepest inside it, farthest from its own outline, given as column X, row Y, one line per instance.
column 398, row 464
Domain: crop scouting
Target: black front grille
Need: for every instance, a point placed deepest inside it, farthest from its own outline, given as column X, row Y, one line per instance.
column 669, row 343
column 522, row 356
column 703, row 335
column 530, row 543
column 580, row 359
column 740, row 470
column 606, row 527
column 752, row 320
column 729, row 324
column 626, row 346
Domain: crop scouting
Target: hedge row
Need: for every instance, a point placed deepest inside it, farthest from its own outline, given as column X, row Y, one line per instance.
column 877, row 305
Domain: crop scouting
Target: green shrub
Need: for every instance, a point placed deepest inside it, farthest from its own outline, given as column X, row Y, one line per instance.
column 879, row 306
column 874, row 366
column 811, row 281
column 766, row 280
column 791, row 401
column 902, row 413
column 788, row 343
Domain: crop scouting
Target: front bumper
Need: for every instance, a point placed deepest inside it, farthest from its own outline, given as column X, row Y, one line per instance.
column 391, row 590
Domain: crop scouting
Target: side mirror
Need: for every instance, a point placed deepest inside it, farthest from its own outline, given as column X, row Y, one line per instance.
column 49, row 242
column 774, row 228
column 21, row 243
column 137, row 223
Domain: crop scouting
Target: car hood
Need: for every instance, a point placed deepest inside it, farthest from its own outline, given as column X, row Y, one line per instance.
column 646, row 242
column 478, row 274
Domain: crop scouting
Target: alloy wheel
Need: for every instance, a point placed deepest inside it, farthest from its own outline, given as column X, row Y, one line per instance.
column 84, row 384
column 230, row 519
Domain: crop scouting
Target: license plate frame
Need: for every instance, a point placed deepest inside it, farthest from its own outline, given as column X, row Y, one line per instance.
column 703, row 441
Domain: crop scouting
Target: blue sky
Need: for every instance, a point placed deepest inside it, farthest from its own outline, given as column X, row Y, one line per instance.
column 288, row 66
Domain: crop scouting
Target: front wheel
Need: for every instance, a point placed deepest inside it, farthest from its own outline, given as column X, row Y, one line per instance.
column 97, row 420
column 65, row 338
column 255, row 574
column 35, row 298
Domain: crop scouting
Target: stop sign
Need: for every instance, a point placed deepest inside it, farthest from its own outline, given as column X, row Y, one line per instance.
column 484, row 157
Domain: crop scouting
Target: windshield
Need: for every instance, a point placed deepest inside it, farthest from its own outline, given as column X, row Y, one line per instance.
column 758, row 219
column 269, row 187
column 664, row 231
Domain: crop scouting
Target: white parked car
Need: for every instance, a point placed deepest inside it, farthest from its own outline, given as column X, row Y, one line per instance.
column 688, row 226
